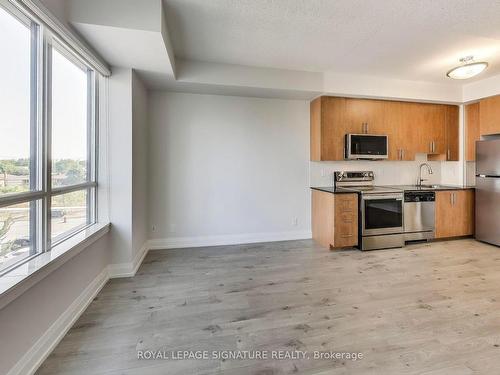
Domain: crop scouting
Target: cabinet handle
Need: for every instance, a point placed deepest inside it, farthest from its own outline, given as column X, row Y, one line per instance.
column 449, row 154
column 367, row 128
column 451, row 199
column 430, row 147
column 402, row 154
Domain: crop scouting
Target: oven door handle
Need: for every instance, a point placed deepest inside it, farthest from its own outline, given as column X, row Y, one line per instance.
column 382, row 197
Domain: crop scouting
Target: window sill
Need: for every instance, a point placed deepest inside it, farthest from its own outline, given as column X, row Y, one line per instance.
column 20, row 279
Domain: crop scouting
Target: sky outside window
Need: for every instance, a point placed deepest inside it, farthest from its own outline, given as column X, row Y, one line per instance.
column 15, row 39
column 69, row 121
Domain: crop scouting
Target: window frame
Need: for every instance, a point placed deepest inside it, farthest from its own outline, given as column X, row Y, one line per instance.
column 41, row 192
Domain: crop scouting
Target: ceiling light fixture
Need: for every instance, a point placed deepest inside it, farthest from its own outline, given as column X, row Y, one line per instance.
column 468, row 69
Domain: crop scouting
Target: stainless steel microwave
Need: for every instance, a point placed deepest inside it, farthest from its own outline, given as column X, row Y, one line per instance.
column 366, row 146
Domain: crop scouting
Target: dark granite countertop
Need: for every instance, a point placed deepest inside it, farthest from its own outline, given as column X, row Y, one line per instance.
column 430, row 188
column 333, row 190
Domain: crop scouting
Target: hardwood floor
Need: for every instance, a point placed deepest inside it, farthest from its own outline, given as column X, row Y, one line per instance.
column 425, row 309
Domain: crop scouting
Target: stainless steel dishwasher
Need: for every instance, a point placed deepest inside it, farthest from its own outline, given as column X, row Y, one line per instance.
column 419, row 214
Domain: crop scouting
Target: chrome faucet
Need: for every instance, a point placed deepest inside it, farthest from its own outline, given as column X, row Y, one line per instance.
column 429, row 171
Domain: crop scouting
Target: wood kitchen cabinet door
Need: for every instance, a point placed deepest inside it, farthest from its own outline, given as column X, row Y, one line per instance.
column 323, row 217
column 419, row 117
column 451, row 126
column 334, row 219
column 434, row 134
column 327, row 128
column 346, row 220
column 472, row 130
column 443, row 219
column 465, row 208
column 489, row 115
column 402, row 130
column 365, row 116
column 454, row 213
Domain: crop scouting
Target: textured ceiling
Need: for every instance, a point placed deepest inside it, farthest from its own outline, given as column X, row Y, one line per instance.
column 405, row 39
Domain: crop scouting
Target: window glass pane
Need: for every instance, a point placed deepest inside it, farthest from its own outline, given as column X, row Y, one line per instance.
column 15, row 104
column 16, row 242
column 69, row 121
column 68, row 212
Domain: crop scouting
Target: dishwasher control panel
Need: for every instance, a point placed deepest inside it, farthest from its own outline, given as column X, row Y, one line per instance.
column 420, row 196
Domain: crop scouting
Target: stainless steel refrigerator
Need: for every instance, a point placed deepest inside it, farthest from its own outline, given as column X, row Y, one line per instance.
column 488, row 191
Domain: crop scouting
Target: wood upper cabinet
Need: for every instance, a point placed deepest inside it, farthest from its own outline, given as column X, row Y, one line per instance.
column 411, row 127
column 451, row 136
column 454, row 213
column 489, row 115
column 365, row 116
column 328, row 128
column 472, row 131
column 432, row 129
column 400, row 130
column 452, row 130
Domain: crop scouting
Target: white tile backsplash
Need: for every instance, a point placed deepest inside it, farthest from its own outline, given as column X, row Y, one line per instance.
column 470, row 173
column 386, row 172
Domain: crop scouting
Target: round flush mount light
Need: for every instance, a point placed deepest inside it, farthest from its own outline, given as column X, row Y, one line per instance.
column 468, row 69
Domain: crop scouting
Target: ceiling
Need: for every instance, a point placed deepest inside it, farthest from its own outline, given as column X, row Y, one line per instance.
column 402, row 39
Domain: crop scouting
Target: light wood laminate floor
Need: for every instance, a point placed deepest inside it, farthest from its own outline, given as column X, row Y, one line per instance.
column 425, row 309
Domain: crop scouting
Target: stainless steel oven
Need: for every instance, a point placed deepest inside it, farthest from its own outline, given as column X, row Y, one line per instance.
column 381, row 214
column 366, row 146
column 380, row 210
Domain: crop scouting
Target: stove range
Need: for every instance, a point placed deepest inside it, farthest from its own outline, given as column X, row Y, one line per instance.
column 370, row 189
column 380, row 210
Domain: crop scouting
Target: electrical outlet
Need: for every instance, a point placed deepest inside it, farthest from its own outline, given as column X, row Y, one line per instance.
column 295, row 221
column 153, row 228
column 323, row 172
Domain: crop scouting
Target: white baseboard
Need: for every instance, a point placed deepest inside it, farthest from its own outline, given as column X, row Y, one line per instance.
column 231, row 239
column 129, row 269
column 35, row 356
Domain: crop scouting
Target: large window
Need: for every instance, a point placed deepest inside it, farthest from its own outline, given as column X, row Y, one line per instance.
column 47, row 140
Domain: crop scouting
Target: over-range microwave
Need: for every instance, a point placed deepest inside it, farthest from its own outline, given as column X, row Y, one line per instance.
column 366, row 146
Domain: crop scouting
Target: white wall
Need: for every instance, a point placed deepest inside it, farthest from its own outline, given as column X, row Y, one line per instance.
column 481, row 89
column 128, row 122
column 120, row 163
column 140, row 219
column 228, row 169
